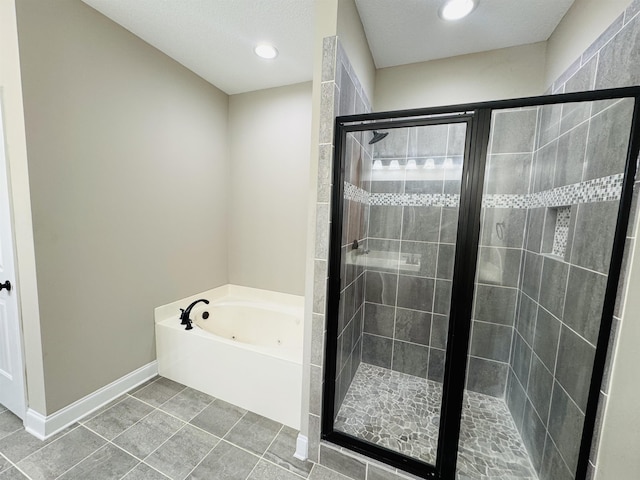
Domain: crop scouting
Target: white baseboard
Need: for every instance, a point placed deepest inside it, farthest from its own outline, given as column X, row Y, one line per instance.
column 43, row 427
column 302, row 447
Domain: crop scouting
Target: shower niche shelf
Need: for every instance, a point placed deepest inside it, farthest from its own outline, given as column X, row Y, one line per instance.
column 556, row 231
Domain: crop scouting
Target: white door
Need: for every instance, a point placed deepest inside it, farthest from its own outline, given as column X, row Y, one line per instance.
column 12, row 392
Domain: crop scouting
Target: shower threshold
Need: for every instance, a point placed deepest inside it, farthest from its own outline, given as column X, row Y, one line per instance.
column 402, row 413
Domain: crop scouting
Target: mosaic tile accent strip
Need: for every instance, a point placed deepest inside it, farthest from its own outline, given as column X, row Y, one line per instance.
column 598, row 190
column 561, row 232
column 354, row 193
column 415, row 199
column 357, row 194
column 505, row 201
column 402, row 412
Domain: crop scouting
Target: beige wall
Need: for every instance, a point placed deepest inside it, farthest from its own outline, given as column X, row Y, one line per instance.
column 494, row 75
column 269, row 137
column 27, row 289
column 620, row 437
column 580, row 27
column 128, row 174
column 352, row 37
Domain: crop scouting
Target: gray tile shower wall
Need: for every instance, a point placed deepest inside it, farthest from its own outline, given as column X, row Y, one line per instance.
column 411, row 245
column 508, row 173
column 341, row 94
column 560, row 297
column 357, row 168
column 560, row 301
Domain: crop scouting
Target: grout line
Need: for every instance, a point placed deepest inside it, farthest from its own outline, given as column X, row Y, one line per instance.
column 130, row 470
column 97, row 413
column 272, row 441
column 107, row 443
column 135, row 423
column 161, row 444
column 562, row 324
column 254, row 467
column 234, row 426
column 52, row 442
column 406, row 240
column 21, row 471
column 285, row 469
column 395, row 302
column 506, row 154
column 262, row 457
column 155, row 469
column 21, row 427
column 11, row 464
column 140, row 462
column 549, row 437
column 203, row 458
column 239, row 447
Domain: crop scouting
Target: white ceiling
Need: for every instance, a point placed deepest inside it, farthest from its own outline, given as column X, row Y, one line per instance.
column 409, row 31
column 215, row 38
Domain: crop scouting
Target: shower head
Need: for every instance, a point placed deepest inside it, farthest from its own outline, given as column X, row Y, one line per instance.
column 377, row 136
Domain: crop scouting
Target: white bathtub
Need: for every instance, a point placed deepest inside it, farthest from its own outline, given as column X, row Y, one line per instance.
column 247, row 352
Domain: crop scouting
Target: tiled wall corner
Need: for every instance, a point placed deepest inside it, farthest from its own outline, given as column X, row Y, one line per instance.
column 341, row 94
column 611, row 61
column 328, row 97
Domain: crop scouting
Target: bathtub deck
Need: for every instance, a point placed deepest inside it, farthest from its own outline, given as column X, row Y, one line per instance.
column 490, row 447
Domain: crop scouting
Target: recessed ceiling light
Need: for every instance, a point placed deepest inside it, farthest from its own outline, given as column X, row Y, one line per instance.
column 266, row 51
column 457, row 9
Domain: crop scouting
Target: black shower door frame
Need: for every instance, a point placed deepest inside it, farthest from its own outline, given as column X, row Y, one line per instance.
column 478, row 119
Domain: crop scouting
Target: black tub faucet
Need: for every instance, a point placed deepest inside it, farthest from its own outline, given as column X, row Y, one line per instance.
column 184, row 316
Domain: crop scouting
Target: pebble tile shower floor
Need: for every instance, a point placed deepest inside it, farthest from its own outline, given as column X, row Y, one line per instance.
column 160, row 431
column 490, row 447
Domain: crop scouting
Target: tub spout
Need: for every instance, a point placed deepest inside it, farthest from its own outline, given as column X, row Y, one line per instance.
column 184, row 315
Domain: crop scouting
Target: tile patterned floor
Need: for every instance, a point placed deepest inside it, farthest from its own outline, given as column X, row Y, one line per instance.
column 490, row 448
column 164, row 430
column 160, row 431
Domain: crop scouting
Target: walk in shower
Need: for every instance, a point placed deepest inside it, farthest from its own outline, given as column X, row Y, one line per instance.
column 474, row 262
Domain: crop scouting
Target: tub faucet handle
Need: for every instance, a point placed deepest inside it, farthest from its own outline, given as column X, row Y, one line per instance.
column 184, row 316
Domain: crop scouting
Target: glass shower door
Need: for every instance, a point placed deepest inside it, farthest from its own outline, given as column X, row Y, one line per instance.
column 399, row 223
column 550, row 204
